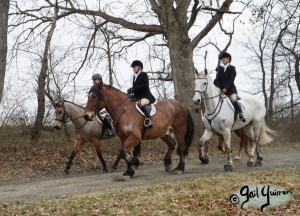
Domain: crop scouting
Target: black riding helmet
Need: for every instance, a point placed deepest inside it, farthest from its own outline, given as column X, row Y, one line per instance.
column 225, row 55
column 97, row 76
column 137, row 63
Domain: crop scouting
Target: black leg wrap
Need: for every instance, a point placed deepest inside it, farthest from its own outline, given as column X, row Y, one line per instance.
column 137, row 150
column 122, row 153
column 167, row 160
column 129, row 172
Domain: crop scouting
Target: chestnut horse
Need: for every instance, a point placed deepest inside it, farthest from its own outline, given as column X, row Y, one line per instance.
column 92, row 131
column 172, row 122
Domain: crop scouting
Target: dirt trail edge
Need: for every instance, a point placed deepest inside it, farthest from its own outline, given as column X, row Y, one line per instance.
column 145, row 175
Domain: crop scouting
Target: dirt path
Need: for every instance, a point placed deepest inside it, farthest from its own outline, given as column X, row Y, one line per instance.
column 145, row 175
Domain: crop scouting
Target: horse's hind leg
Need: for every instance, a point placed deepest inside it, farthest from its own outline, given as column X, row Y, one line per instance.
column 127, row 145
column 76, row 149
column 243, row 143
column 168, row 157
column 250, row 134
column 98, row 148
column 258, row 153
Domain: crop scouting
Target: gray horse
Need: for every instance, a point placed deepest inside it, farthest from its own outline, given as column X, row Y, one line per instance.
column 85, row 131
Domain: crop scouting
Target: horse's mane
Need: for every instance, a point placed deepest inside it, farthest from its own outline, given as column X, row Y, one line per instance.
column 74, row 104
column 114, row 88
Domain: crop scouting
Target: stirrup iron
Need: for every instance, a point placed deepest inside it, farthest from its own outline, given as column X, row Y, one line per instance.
column 147, row 122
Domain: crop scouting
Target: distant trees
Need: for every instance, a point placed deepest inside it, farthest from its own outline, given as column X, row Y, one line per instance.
column 276, row 46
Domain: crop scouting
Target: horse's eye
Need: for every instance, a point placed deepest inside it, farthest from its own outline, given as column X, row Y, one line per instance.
column 59, row 112
column 94, row 96
column 205, row 83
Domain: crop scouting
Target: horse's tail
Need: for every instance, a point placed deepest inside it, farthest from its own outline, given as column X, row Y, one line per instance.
column 189, row 133
column 264, row 134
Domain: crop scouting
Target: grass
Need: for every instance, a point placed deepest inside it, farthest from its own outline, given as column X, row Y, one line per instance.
column 203, row 196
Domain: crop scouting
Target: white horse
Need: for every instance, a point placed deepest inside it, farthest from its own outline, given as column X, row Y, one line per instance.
column 219, row 118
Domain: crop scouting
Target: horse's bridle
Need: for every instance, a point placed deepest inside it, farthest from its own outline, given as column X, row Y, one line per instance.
column 217, row 110
column 65, row 120
column 109, row 110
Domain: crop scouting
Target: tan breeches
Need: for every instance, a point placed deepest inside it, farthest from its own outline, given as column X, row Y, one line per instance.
column 144, row 101
column 233, row 97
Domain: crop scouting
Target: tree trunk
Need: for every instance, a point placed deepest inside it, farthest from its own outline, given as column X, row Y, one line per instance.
column 4, row 8
column 41, row 90
column 182, row 65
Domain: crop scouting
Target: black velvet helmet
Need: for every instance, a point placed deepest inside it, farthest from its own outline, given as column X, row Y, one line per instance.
column 97, row 76
column 137, row 63
column 225, row 55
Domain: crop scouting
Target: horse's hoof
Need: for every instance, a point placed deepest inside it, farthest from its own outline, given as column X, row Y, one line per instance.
column 168, row 168
column 228, row 168
column 204, row 160
column 236, row 158
column 258, row 163
column 129, row 173
column 113, row 169
column 250, row 163
column 105, row 170
column 66, row 172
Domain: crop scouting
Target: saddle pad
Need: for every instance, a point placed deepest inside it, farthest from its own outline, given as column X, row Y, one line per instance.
column 152, row 112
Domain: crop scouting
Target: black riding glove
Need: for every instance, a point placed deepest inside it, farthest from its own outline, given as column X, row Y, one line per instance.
column 129, row 91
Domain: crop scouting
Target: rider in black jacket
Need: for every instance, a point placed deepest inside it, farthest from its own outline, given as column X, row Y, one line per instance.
column 140, row 90
column 225, row 81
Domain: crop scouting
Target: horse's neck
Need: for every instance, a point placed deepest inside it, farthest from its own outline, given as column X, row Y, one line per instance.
column 115, row 102
column 212, row 98
column 74, row 112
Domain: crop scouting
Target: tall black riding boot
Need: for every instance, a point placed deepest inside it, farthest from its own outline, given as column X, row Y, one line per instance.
column 147, row 122
column 240, row 110
column 109, row 127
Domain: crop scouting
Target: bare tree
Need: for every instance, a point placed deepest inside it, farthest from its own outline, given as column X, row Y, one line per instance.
column 273, row 27
column 36, row 131
column 4, row 8
column 175, row 19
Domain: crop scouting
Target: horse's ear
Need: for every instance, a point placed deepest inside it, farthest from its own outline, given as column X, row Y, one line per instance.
column 62, row 102
column 100, row 85
column 55, row 103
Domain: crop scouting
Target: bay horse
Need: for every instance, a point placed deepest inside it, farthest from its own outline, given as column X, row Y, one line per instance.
column 172, row 122
column 244, row 141
column 92, row 131
column 219, row 118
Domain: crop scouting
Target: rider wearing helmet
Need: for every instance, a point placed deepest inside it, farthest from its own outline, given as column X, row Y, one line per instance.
column 97, row 79
column 140, row 90
column 225, row 81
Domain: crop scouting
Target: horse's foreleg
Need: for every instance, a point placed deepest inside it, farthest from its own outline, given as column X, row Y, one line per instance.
column 137, row 155
column 114, row 168
column 168, row 157
column 127, row 145
column 76, row 149
column 98, row 148
column 202, row 141
column 227, row 140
